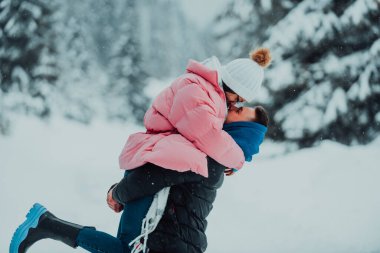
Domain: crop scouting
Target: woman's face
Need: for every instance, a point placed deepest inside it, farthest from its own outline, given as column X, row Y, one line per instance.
column 240, row 114
column 233, row 98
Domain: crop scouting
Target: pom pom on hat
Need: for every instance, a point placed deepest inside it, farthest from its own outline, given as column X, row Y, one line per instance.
column 262, row 56
column 245, row 75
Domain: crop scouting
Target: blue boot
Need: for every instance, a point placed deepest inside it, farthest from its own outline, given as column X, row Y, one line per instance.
column 41, row 224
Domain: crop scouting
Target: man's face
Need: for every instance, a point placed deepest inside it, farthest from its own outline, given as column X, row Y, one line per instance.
column 240, row 114
column 233, row 98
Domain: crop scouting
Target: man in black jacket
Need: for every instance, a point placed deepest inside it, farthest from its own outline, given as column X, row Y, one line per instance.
column 182, row 227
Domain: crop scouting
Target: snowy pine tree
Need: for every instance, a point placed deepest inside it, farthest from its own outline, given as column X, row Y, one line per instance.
column 125, row 95
column 81, row 79
column 58, row 57
column 100, row 19
column 245, row 24
column 27, row 55
column 325, row 81
column 167, row 37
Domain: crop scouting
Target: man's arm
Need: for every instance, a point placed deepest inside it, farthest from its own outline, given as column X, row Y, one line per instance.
column 148, row 180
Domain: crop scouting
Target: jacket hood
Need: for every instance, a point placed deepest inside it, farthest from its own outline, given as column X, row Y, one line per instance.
column 209, row 69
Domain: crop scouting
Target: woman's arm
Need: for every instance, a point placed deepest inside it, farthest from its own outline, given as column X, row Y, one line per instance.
column 195, row 117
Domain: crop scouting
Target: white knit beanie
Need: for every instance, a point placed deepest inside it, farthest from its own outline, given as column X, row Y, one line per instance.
column 245, row 76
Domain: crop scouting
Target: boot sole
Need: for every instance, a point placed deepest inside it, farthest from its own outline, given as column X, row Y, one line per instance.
column 31, row 221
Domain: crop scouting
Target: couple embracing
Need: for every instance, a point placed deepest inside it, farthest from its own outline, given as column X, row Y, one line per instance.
column 196, row 132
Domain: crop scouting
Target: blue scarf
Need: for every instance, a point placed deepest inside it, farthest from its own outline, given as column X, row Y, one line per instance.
column 248, row 135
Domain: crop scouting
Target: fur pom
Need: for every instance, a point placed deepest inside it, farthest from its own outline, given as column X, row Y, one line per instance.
column 262, row 56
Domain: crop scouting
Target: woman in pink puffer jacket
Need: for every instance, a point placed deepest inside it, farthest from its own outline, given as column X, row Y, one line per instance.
column 184, row 123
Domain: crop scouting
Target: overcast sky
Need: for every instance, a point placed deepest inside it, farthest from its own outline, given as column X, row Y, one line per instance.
column 203, row 11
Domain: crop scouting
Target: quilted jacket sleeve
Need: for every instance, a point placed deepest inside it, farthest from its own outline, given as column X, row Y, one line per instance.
column 195, row 116
column 148, row 180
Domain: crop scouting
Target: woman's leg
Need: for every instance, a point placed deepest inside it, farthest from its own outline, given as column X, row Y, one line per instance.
column 121, row 222
column 132, row 217
column 99, row 242
column 129, row 228
column 42, row 224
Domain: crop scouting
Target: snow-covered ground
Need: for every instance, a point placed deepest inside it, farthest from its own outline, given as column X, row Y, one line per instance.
column 322, row 200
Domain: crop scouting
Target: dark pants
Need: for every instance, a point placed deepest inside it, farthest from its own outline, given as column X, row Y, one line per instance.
column 129, row 228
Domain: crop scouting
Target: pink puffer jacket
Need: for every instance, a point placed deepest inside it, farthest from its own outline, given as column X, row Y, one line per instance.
column 184, row 125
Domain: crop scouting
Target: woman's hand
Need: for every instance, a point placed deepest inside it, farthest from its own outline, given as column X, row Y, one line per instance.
column 229, row 172
column 114, row 205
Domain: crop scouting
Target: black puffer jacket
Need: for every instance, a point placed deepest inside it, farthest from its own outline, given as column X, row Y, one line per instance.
column 182, row 227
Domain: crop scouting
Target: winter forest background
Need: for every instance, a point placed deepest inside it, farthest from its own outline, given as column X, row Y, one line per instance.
column 86, row 59
column 77, row 76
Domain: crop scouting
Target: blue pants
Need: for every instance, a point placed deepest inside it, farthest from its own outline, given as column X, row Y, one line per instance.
column 129, row 228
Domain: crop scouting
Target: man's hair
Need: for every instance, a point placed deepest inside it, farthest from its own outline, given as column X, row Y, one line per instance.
column 261, row 116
